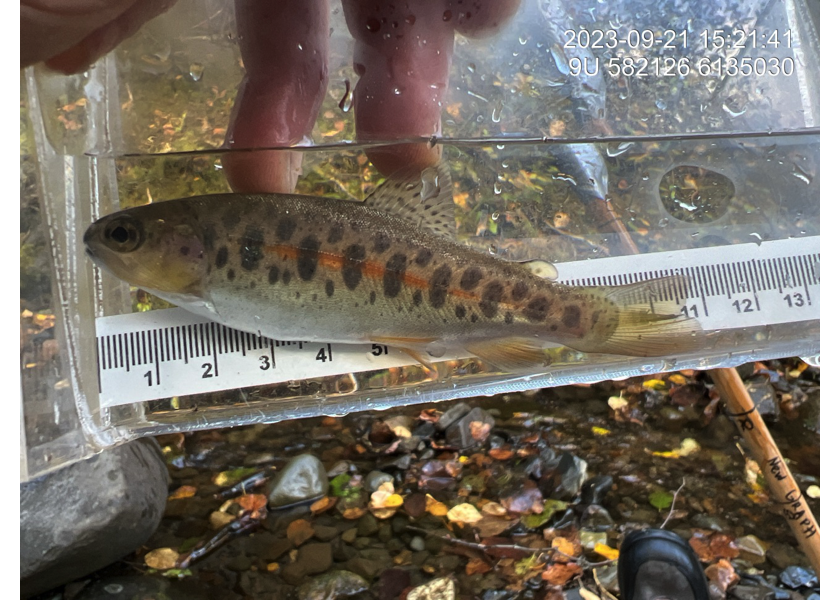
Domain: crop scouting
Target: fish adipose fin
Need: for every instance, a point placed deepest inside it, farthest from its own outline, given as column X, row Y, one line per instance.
column 648, row 326
column 424, row 201
column 509, row 354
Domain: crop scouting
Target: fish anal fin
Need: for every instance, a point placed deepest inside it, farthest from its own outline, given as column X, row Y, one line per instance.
column 411, row 347
column 509, row 354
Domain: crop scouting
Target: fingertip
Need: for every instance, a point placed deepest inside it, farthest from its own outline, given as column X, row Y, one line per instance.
column 400, row 157
column 263, row 171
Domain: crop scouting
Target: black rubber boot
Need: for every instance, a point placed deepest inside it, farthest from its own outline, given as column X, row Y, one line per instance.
column 655, row 564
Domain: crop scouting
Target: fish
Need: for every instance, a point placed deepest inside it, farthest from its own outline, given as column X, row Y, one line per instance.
column 386, row 270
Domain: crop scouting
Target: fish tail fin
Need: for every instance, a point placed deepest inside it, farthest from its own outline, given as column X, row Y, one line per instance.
column 650, row 320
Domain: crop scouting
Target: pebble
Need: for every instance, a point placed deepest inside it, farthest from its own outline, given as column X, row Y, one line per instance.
column 367, row 525
column 452, row 415
column 764, row 397
column 783, row 556
column 564, row 482
column 596, row 518
column 339, row 468
column 460, row 434
column 392, row 582
column 417, row 544
column 349, row 536
column 442, row 588
column 365, row 567
column 311, row 560
column 324, row 533
column 332, row 586
column 376, row 478
column 751, row 549
column 752, row 592
column 797, row 577
column 304, row 478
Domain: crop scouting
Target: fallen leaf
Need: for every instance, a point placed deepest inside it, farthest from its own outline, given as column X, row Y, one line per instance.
column 227, row 478
column 219, row 519
column 161, row 558
column 687, row 446
column 491, row 526
column 560, row 574
column 617, row 402
column 435, row 508
column 524, row 501
column 655, row 384
column 323, row 505
column 606, row 551
column 813, row 491
column 299, row 531
column 252, row 502
column 272, row 567
column 494, row 509
column 565, row 547
column 353, row 513
column 600, row 430
column 476, row 565
column 721, row 576
column 504, row 453
column 464, row 513
column 415, row 505
column 677, row 378
column 712, row 547
column 660, row 499
column 185, row 491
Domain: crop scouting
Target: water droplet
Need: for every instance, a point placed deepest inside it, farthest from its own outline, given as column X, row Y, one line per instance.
column 397, row 91
column 471, row 67
column 497, row 188
column 500, row 146
column 495, row 216
column 732, row 108
column 497, row 113
column 300, row 46
column 196, row 71
column 523, row 40
column 618, row 150
column 757, row 237
column 505, row 164
column 663, row 222
column 493, row 249
column 661, row 104
column 645, row 176
column 346, row 102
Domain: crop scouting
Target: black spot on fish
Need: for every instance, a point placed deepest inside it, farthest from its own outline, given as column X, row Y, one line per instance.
column 473, row 318
column 381, row 243
column 571, row 316
column 508, row 318
column 253, row 284
column 490, row 298
column 471, row 278
column 221, row 257
column 519, row 291
column 231, row 274
column 307, row 260
column 553, row 328
column 231, row 219
column 330, row 288
column 297, row 295
column 372, row 297
column 460, row 311
column 439, row 286
column 351, row 268
column 394, row 272
column 537, row 309
column 595, row 317
column 336, row 233
column 286, row 228
column 423, row 258
column 273, row 275
column 185, row 250
column 287, row 277
column 417, row 298
column 250, row 250
column 314, row 297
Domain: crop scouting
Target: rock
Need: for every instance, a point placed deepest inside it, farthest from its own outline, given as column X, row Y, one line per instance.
column 451, row 416
column 367, row 568
column 750, row 592
column 672, row 418
column 392, row 582
column 367, row 525
column 564, row 482
column 89, row 514
column 608, row 576
column 796, row 577
column 417, row 544
column 424, row 430
column 782, row 556
column 764, row 397
column 719, row 433
column 401, row 463
column 596, row 518
column 751, row 549
column 442, row 588
column 465, row 434
column 304, row 478
column 312, row 559
column 349, row 536
column 362, row 542
column 398, row 524
column 595, row 488
column 339, row 468
column 376, row 478
column 333, row 586
column 139, row 586
column 590, row 539
column 712, row 522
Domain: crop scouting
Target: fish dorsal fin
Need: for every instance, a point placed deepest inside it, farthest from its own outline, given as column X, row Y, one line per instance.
column 424, row 201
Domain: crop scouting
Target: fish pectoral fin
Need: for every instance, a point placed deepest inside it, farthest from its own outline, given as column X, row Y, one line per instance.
column 542, row 269
column 509, row 354
column 647, row 326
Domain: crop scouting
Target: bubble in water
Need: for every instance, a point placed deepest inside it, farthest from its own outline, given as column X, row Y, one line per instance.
column 618, row 150
column 661, row 104
column 493, row 249
column 800, row 174
column 757, row 237
column 497, row 113
column 471, row 67
column 523, row 40
column 663, row 222
column 497, row 188
column 731, row 107
column 196, row 71
column 397, row 91
column 645, row 176
column 495, row 216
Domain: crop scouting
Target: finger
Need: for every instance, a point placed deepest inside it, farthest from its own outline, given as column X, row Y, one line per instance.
column 102, row 40
column 402, row 56
column 284, row 49
column 482, row 18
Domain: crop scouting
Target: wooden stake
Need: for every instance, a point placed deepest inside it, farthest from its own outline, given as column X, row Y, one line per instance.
column 764, row 450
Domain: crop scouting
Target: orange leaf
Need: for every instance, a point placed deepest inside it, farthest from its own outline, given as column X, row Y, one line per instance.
column 323, row 505
column 479, row 431
column 252, row 502
column 351, row 514
column 501, row 453
column 564, row 547
column 299, row 531
column 476, row 565
column 606, row 551
column 438, row 509
column 558, row 574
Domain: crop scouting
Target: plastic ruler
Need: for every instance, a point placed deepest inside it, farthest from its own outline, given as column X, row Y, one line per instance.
column 165, row 353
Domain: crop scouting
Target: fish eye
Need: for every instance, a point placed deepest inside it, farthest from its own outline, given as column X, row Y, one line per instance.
column 124, row 235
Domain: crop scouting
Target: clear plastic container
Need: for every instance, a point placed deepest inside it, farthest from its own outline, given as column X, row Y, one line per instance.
column 576, row 131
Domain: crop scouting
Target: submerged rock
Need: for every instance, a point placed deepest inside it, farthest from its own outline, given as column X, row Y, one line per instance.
column 304, row 478
column 333, row 586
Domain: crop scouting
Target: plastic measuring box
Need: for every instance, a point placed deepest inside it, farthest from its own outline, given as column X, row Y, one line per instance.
column 620, row 140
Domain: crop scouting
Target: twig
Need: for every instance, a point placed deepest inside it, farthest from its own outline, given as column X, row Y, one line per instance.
column 673, row 503
column 245, row 523
column 489, row 549
column 246, row 485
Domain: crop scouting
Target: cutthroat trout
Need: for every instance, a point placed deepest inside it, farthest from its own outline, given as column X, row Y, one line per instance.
column 379, row 271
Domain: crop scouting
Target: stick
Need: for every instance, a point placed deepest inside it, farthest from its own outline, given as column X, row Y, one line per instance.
column 761, row 444
column 776, row 473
